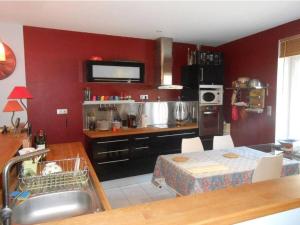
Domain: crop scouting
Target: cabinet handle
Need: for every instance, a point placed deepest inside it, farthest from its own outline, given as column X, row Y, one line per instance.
column 145, row 147
column 141, row 138
column 173, row 135
column 201, row 73
column 113, row 161
column 121, row 150
column 114, row 141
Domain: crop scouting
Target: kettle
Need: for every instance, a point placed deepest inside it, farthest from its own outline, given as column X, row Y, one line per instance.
column 180, row 111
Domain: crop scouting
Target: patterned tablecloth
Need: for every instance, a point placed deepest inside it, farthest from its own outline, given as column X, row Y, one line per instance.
column 210, row 170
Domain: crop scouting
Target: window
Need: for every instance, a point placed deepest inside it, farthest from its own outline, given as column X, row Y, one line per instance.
column 288, row 91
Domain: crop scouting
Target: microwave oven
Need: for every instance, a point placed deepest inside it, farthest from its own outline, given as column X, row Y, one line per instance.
column 211, row 94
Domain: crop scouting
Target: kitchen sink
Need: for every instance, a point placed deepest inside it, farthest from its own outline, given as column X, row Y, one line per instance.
column 54, row 206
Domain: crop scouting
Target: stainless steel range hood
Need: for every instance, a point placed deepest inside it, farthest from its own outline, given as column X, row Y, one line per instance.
column 165, row 63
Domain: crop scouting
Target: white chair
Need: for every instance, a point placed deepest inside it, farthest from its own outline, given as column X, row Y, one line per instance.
column 268, row 167
column 191, row 145
column 223, row 142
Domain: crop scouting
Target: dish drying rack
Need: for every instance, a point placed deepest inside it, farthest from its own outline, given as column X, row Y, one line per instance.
column 74, row 176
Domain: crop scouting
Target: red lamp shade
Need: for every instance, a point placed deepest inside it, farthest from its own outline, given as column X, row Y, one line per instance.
column 2, row 52
column 12, row 106
column 19, row 92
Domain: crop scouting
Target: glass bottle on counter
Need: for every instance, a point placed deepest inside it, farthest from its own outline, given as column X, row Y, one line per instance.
column 40, row 140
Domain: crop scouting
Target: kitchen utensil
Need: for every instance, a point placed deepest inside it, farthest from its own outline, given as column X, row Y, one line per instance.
column 102, row 125
column 50, row 168
column 116, row 125
column 180, row 112
column 131, row 121
column 243, row 81
column 234, row 113
column 144, row 120
column 287, row 144
column 255, row 83
column 92, row 123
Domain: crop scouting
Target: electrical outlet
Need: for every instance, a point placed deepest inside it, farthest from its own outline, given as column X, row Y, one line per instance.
column 144, row 97
column 61, row 111
column 269, row 110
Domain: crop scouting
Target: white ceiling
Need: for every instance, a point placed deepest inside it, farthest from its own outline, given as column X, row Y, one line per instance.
column 200, row 22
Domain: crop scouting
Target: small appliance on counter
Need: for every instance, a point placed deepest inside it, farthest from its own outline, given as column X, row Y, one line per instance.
column 180, row 113
column 131, row 121
column 102, row 125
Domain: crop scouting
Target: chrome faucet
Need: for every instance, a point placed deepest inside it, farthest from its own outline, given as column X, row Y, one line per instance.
column 6, row 211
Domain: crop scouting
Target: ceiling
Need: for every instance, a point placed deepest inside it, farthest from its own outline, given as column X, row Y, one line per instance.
column 199, row 22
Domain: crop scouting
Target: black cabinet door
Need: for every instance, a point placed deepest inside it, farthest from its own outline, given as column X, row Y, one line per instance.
column 142, row 165
column 110, row 149
column 189, row 94
column 190, row 76
column 194, row 75
column 141, row 147
column 170, row 142
column 211, row 75
column 110, row 157
column 113, row 169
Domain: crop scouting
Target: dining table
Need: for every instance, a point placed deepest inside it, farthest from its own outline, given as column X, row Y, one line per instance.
column 211, row 170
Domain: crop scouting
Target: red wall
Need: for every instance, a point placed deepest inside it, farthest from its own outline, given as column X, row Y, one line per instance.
column 55, row 75
column 255, row 56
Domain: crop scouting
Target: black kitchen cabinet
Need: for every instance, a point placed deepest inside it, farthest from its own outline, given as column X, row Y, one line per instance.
column 110, row 149
column 194, row 75
column 124, row 156
column 170, row 143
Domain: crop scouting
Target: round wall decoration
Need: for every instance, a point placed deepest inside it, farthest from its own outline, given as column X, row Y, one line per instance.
column 8, row 66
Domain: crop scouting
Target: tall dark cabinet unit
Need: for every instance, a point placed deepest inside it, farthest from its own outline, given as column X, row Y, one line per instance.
column 193, row 75
column 207, row 70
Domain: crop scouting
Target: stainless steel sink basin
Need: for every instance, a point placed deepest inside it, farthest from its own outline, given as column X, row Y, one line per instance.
column 53, row 206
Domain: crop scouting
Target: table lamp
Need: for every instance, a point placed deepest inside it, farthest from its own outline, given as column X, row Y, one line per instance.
column 20, row 92
column 13, row 106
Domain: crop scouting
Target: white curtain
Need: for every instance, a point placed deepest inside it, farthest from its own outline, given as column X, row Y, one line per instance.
column 288, row 98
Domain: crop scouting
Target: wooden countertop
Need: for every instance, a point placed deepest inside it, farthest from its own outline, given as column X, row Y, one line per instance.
column 9, row 145
column 133, row 131
column 70, row 150
column 227, row 206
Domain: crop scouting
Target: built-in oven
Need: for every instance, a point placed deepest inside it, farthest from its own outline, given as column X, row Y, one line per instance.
column 210, row 120
column 211, row 94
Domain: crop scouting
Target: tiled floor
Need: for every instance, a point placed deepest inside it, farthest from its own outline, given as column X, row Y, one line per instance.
column 134, row 190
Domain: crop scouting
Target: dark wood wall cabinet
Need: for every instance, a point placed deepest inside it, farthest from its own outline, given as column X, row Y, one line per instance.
column 115, row 71
column 124, row 156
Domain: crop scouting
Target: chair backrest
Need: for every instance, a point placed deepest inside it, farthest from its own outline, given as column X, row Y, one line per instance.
column 223, row 142
column 268, row 167
column 191, row 145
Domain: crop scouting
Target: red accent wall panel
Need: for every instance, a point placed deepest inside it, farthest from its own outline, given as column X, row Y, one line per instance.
column 255, row 56
column 55, row 75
